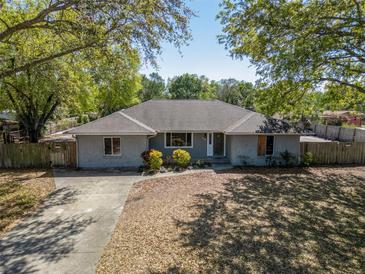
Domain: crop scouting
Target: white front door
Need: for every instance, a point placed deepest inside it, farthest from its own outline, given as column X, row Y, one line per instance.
column 210, row 144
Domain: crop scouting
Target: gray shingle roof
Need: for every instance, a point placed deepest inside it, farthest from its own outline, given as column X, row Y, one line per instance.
column 113, row 124
column 184, row 115
column 258, row 123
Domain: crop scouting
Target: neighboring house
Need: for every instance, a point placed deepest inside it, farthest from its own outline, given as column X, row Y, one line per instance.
column 344, row 116
column 9, row 128
column 208, row 129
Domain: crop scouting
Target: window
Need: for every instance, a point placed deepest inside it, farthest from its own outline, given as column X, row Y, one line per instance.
column 179, row 140
column 265, row 145
column 111, row 146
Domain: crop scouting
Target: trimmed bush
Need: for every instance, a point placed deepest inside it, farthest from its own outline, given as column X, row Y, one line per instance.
column 308, row 159
column 181, row 157
column 152, row 158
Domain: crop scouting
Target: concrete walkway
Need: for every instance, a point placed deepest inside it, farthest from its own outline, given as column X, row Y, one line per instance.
column 68, row 233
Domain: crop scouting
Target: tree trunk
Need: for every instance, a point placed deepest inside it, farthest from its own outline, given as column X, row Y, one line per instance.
column 34, row 134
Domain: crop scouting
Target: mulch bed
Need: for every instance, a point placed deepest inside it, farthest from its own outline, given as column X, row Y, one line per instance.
column 21, row 192
column 243, row 221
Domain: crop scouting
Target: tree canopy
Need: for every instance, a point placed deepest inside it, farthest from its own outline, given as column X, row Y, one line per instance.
column 299, row 42
column 235, row 92
column 36, row 93
column 153, row 87
column 62, row 27
column 190, row 86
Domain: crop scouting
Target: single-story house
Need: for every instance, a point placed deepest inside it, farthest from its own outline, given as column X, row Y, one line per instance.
column 209, row 129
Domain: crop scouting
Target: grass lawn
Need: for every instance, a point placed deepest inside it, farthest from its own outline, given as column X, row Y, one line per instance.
column 21, row 191
column 252, row 221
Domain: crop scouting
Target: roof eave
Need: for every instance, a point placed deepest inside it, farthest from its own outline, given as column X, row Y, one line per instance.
column 266, row 133
column 112, row 133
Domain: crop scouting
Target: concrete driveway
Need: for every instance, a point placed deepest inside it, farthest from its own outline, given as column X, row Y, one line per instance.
column 68, row 233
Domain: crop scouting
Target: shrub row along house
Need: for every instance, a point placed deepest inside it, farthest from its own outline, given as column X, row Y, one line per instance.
column 208, row 129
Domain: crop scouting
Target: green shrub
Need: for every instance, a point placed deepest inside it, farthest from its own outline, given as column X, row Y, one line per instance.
column 308, row 159
column 152, row 158
column 287, row 157
column 83, row 119
column 200, row 163
column 271, row 161
column 181, row 157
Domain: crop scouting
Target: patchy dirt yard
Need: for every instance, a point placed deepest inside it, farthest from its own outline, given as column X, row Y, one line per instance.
column 251, row 221
column 21, row 191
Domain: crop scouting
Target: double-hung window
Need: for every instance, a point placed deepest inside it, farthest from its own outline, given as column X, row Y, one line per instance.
column 179, row 140
column 265, row 146
column 111, row 146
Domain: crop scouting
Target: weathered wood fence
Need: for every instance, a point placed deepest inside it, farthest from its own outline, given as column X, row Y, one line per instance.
column 336, row 152
column 41, row 155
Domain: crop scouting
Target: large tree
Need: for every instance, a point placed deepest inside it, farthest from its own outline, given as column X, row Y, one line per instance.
column 153, row 87
column 63, row 27
column 190, row 86
column 36, row 93
column 117, row 80
column 103, row 81
column 336, row 97
column 299, row 42
column 235, row 92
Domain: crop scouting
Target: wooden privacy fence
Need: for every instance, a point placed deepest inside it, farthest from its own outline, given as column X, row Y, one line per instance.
column 336, row 153
column 41, row 155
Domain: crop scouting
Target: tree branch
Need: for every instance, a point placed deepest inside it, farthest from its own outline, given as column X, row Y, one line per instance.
column 44, row 59
column 361, row 89
column 37, row 19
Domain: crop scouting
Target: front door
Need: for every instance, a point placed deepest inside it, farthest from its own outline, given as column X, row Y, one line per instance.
column 215, row 144
column 209, row 144
column 218, row 144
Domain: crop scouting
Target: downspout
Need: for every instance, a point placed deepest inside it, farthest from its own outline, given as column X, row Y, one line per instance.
column 77, row 151
column 148, row 142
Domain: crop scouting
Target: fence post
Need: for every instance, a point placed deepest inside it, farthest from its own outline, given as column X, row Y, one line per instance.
column 325, row 132
column 339, row 133
column 354, row 135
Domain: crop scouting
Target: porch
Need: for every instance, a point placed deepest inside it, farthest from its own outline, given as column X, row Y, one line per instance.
column 210, row 146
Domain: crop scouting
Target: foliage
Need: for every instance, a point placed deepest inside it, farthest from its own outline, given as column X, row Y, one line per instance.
column 301, row 42
column 63, row 27
column 200, row 163
column 37, row 93
column 181, row 157
column 287, row 157
column 338, row 97
column 271, row 161
column 308, row 159
column 235, row 92
column 152, row 158
column 116, row 75
column 83, row 119
column 152, row 87
column 190, row 86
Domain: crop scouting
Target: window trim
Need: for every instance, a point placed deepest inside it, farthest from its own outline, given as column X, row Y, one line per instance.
column 273, row 145
column 120, row 143
column 167, row 147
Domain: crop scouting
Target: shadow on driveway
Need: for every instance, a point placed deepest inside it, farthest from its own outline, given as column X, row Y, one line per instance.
column 40, row 238
column 68, row 232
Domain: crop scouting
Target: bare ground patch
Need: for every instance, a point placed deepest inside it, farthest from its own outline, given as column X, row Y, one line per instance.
column 21, row 191
column 251, row 221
